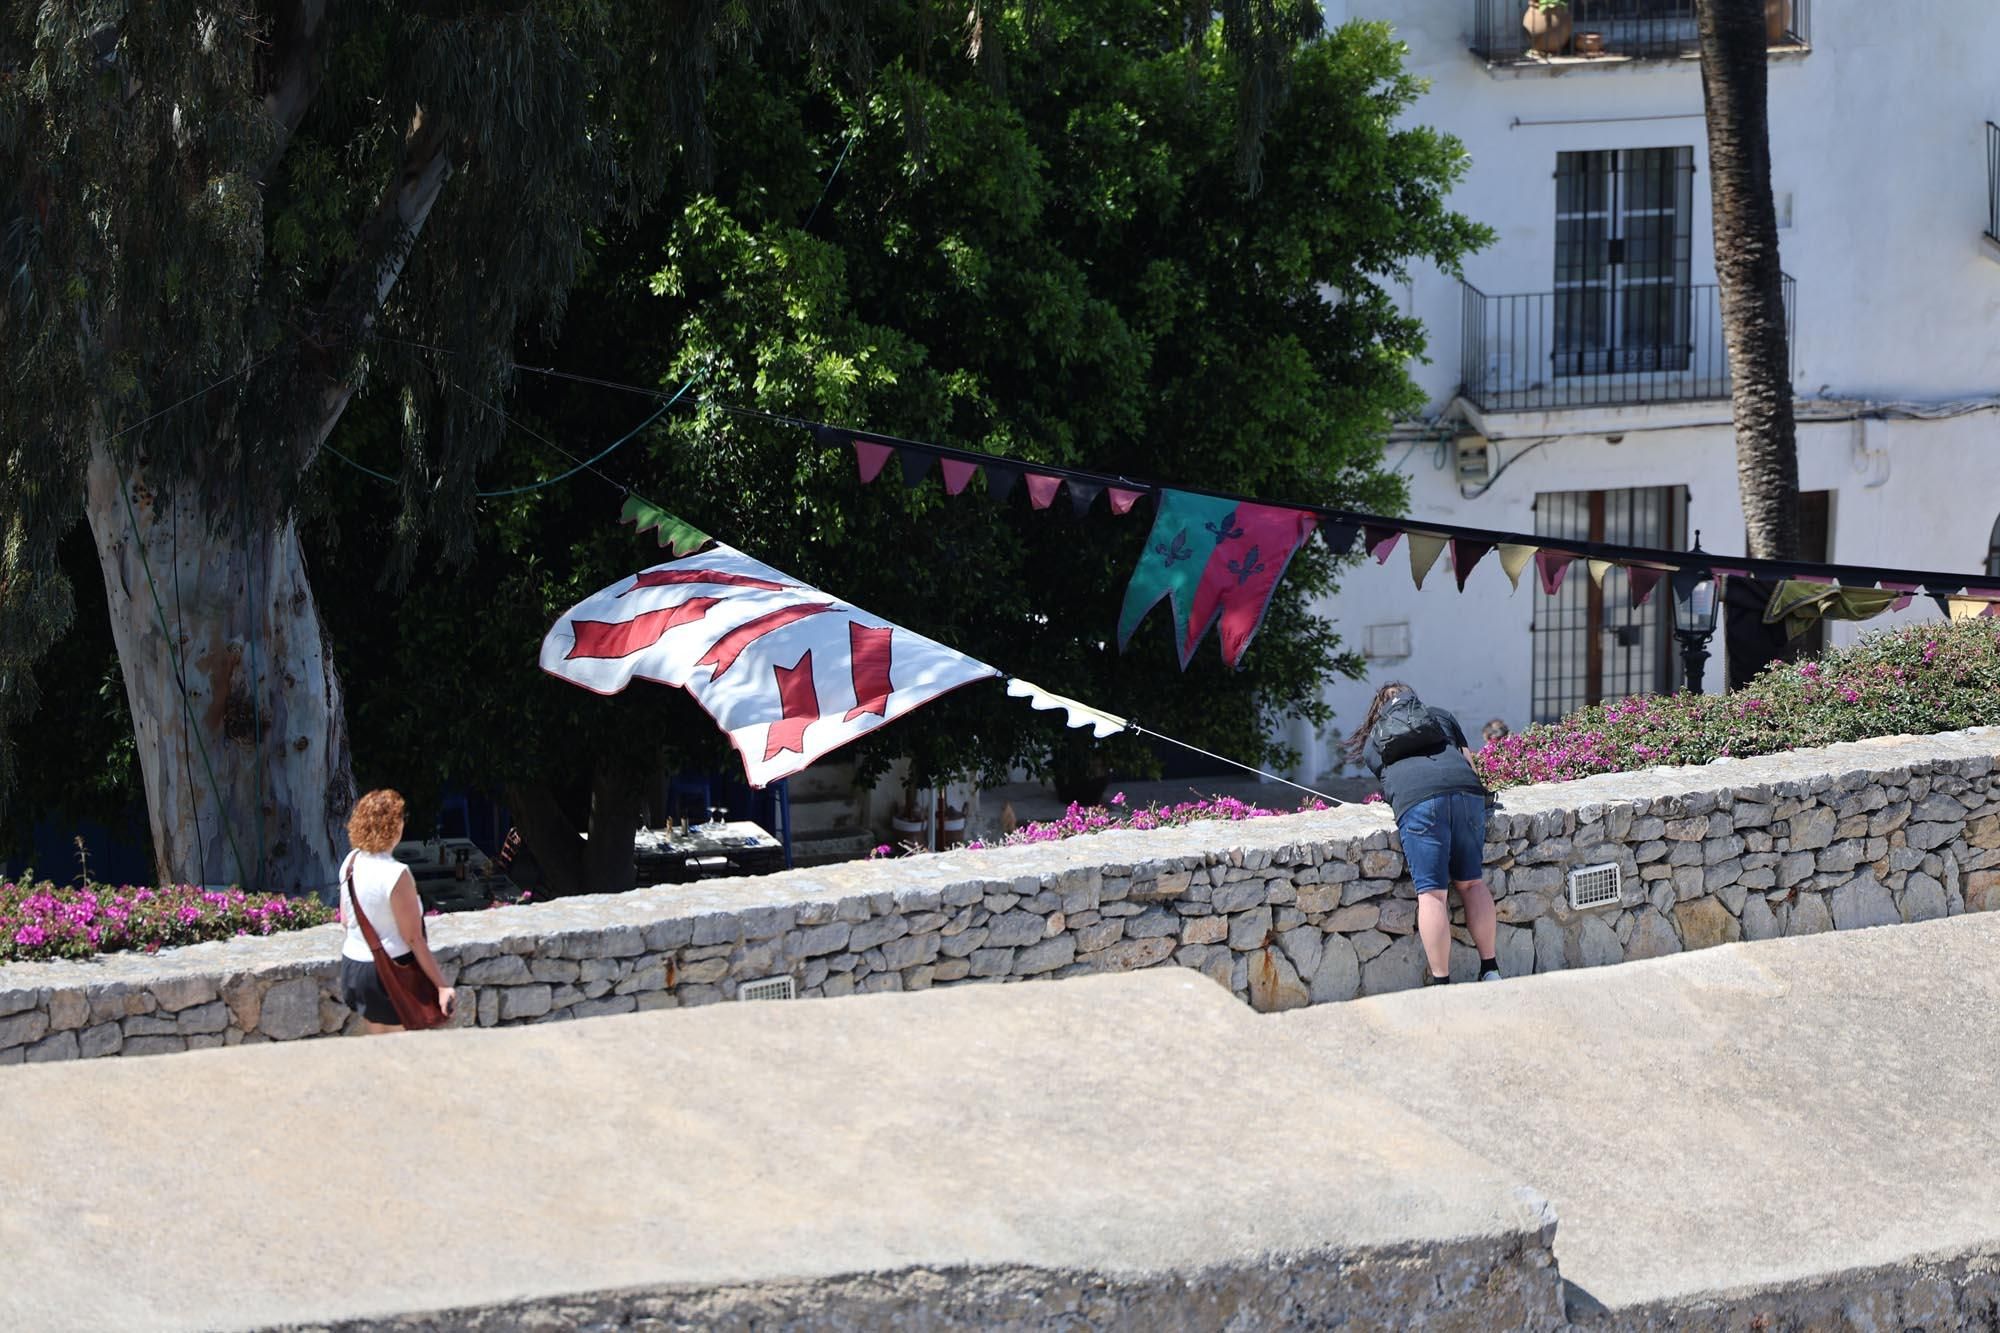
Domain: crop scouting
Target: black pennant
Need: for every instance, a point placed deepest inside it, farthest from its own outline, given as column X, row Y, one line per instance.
column 916, row 465
column 1083, row 494
column 1339, row 537
column 1000, row 479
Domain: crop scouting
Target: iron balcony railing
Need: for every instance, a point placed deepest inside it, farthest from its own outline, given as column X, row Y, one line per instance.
column 1613, row 30
column 1597, row 345
column 1993, row 182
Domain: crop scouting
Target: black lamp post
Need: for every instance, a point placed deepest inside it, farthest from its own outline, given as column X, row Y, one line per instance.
column 1694, row 616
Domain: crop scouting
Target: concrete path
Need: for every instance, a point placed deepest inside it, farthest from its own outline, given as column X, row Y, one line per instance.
column 1804, row 1120
column 1754, row 1116
column 1026, row 1140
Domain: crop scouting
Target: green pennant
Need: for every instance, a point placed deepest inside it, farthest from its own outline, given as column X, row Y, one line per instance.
column 1184, row 536
column 678, row 535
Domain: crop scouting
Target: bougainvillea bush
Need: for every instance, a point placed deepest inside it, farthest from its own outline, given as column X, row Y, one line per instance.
column 1080, row 819
column 1912, row 681
column 47, row 921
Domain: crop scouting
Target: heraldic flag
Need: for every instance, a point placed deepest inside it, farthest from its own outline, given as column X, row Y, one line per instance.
column 1214, row 561
column 789, row 672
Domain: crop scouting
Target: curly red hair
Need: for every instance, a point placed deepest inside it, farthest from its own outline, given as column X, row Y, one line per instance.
column 377, row 821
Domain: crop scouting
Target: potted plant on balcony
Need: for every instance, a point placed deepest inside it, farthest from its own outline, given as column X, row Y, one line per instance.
column 1547, row 24
column 1777, row 21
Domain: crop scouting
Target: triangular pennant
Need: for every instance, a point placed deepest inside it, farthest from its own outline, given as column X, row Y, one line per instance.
column 1122, row 500
column 870, row 457
column 1253, row 544
column 1514, row 559
column 1082, row 494
column 916, row 465
column 1042, row 490
column 1101, row 723
column 1550, row 567
column 1172, row 561
column 1339, row 537
column 1906, row 589
column 676, row 534
column 1687, row 580
column 1644, row 578
column 1000, row 479
column 1466, row 553
column 957, row 472
column 1943, row 601
column 1599, row 568
column 1381, row 539
column 1424, row 550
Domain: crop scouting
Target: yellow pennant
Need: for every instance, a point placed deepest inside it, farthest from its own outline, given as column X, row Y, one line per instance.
column 1516, row 558
column 1599, row 568
column 1424, row 550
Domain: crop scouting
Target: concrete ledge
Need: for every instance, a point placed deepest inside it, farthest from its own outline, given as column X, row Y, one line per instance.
column 1123, row 1150
column 1776, row 1128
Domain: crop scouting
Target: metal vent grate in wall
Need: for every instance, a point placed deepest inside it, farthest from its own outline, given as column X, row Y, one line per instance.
column 1594, row 886
column 770, row 988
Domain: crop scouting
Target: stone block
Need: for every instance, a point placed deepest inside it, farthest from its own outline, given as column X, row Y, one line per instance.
column 1250, row 930
column 101, row 1040
column 1368, row 943
column 1809, row 916
column 1863, row 902
column 1205, row 931
column 174, row 994
column 1302, row 945
column 1594, row 944
column 1982, row 891
column 912, row 951
column 1652, row 936
column 965, row 945
column 988, row 963
column 1757, row 921
column 530, row 1001
column 68, row 1009
column 1839, row 858
column 1399, row 967
column 153, row 1045
column 1381, row 865
column 1156, row 922
column 1275, row 984
column 1705, row 923
column 60, row 1046
column 1129, row 955
column 1238, row 897
column 1692, row 829
column 1361, row 916
column 1338, row 976
column 1923, row 898
column 1796, row 868
column 704, row 972
column 290, row 1011
column 1813, row 828
column 816, row 940
column 507, row 969
column 876, row 930
column 1551, row 946
column 1049, row 955
column 202, row 1018
column 1690, row 882
column 1104, row 934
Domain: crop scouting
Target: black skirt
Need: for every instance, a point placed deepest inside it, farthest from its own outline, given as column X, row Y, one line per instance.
column 362, row 991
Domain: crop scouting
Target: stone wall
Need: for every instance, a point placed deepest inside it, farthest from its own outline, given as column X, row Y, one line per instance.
column 1282, row 911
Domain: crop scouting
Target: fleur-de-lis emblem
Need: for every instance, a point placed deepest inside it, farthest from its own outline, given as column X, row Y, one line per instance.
column 1177, row 552
column 1246, row 567
column 1226, row 529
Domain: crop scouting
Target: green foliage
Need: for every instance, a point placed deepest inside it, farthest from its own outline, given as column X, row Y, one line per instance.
column 1911, row 681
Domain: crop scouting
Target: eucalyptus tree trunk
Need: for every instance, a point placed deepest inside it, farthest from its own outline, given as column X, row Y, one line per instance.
column 1734, row 79
column 236, row 707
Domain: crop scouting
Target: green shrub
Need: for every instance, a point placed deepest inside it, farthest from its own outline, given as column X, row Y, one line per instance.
column 1916, row 680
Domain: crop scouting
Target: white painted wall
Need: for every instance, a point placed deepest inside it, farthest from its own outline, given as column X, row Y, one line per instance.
column 1878, row 137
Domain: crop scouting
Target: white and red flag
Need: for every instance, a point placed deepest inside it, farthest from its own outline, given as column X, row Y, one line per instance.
column 789, row 672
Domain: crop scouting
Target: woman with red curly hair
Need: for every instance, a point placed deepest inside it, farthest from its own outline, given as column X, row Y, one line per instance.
column 383, row 888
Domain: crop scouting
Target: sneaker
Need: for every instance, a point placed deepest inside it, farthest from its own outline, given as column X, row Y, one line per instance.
column 1491, row 974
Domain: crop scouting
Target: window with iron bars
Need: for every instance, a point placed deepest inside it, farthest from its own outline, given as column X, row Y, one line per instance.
column 1624, row 232
column 1590, row 643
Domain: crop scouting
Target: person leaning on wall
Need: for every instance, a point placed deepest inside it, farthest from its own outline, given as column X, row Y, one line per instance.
column 383, row 888
column 1422, row 759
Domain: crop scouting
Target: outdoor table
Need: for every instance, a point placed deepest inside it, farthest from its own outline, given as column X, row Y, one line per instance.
column 674, row 855
column 452, row 873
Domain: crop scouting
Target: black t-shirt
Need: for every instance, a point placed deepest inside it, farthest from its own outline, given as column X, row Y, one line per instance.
column 1411, row 781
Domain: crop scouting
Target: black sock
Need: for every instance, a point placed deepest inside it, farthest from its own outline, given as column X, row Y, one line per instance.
column 1488, row 965
column 1437, row 980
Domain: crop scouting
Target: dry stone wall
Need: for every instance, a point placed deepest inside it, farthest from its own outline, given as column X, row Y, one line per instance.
column 1283, row 911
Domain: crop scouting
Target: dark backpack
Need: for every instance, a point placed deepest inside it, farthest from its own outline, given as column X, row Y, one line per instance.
column 1407, row 729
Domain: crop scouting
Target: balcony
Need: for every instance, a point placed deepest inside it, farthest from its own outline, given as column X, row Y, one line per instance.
column 1614, row 32
column 1603, row 345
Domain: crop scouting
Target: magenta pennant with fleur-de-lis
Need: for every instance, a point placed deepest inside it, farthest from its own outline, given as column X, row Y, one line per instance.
column 1218, row 562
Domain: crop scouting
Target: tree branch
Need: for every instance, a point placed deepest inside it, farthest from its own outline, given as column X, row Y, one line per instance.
column 296, row 75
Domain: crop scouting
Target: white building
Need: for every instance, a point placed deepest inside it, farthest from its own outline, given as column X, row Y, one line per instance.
column 1579, row 368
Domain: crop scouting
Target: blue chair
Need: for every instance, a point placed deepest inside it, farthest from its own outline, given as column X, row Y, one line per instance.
column 686, row 789
column 455, row 803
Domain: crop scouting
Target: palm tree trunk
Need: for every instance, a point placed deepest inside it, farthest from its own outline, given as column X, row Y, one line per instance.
column 1734, row 77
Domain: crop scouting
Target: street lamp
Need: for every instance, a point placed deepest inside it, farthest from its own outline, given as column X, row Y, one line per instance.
column 1694, row 616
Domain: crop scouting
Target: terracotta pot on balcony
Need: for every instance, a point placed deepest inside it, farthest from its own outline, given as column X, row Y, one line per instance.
column 1590, row 43
column 1548, row 29
column 1777, row 21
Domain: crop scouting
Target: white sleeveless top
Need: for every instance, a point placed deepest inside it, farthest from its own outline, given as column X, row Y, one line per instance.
column 375, row 874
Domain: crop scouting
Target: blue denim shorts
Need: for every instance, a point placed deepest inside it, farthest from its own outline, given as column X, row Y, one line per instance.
column 1444, row 840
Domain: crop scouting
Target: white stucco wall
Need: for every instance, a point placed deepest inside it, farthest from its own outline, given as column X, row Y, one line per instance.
column 1878, row 139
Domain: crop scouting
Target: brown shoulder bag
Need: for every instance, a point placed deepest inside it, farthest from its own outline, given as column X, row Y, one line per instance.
column 412, row 993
